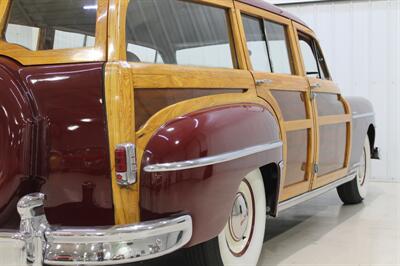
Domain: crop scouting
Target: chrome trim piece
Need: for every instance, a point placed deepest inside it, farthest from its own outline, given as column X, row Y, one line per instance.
column 14, row 250
column 129, row 177
column 224, row 157
column 358, row 116
column 38, row 243
column 315, row 86
column 260, row 82
column 309, row 195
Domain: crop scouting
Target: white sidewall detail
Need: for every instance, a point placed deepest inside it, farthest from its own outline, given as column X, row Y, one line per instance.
column 252, row 254
column 363, row 187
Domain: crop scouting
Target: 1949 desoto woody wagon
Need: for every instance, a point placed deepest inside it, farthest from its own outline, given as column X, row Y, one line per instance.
column 130, row 129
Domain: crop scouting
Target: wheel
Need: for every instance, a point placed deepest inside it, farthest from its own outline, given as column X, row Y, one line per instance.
column 241, row 241
column 355, row 191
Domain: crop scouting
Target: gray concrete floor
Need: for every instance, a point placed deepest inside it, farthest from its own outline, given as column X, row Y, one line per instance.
column 324, row 232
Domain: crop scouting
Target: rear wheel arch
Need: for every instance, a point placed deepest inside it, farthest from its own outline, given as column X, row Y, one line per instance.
column 371, row 136
column 271, row 174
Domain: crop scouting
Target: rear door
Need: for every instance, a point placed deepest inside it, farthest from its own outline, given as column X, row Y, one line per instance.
column 273, row 60
column 332, row 113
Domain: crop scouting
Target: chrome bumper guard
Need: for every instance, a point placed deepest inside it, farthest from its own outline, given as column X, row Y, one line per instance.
column 38, row 243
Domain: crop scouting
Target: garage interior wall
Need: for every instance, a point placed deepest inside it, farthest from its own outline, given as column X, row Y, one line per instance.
column 361, row 43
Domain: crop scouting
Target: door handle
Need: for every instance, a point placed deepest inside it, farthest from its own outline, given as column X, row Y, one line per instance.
column 315, row 86
column 260, row 82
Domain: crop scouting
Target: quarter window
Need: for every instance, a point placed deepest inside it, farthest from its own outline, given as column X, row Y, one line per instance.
column 267, row 45
column 179, row 32
column 310, row 62
column 40, row 25
column 314, row 62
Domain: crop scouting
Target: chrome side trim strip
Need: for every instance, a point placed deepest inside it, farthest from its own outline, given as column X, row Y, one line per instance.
column 312, row 194
column 210, row 160
column 358, row 116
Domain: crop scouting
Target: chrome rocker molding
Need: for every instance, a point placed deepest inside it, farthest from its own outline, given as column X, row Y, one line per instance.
column 312, row 194
column 358, row 116
column 37, row 242
column 211, row 160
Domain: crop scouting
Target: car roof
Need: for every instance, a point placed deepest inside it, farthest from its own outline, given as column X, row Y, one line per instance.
column 273, row 9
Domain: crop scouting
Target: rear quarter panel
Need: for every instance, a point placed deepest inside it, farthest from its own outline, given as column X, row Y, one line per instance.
column 69, row 157
column 206, row 193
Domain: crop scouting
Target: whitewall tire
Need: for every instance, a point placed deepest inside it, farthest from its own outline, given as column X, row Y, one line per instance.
column 241, row 241
column 355, row 191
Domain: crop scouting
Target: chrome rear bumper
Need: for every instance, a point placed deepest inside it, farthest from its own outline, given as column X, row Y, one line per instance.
column 37, row 242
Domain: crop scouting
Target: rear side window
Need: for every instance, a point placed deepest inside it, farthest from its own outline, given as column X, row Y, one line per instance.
column 46, row 25
column 256, row 43
column 278, row 47
column 178, row 32
column 267, row 45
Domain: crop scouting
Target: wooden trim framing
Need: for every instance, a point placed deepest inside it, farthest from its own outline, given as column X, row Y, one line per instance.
column 298, row 125
column 333, row 119
column 59, row 56
column 119, row 97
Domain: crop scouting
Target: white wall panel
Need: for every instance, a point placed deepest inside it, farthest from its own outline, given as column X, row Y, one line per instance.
column 361, row 41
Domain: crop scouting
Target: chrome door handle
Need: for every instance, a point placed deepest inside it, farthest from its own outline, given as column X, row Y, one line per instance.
column 260, row 82
column 315, row 86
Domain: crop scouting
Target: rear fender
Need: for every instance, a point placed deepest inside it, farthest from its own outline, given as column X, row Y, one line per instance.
column 363, row 124
column 16, row 142
column 205, row 192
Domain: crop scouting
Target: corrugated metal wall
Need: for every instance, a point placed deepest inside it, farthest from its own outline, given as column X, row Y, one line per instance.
column 361, row 41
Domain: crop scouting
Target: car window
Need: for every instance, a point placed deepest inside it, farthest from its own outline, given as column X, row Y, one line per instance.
column 278, row 47
column 314, row 62
column 256, row 43
column 322, row 63
column 267, row 45
column 183, row 33
column 309, row 57
column 40, row 25
column 138, row 53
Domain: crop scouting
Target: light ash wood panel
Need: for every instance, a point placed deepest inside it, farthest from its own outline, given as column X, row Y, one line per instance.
column 298, row 125
column 121, row 129
column 333, row 119
column 176, row 76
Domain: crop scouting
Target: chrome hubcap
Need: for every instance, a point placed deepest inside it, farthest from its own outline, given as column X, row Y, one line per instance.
column 239, row 229
column 239, row 220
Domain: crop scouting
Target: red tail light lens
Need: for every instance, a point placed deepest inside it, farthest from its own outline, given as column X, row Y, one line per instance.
column 120, row 160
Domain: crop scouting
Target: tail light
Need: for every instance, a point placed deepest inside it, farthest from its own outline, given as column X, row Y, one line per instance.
column 125, row 164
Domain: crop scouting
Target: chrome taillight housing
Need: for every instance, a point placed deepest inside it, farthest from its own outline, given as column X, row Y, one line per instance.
column 125, row 164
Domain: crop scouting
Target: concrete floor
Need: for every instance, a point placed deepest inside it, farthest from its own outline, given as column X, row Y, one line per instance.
column 324, row 232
